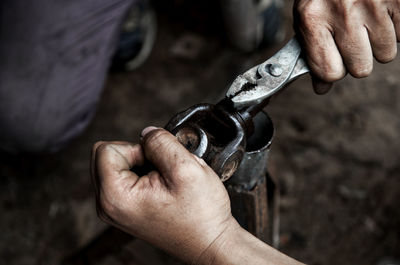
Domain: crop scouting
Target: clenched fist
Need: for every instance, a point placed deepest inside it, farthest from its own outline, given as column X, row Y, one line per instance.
column 181, row 206
column 342, row 36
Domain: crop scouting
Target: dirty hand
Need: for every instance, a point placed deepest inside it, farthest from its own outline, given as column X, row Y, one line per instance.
column 182, row 207
column 342, row 36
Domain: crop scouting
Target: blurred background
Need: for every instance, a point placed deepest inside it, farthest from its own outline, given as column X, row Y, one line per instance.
column 336, row 156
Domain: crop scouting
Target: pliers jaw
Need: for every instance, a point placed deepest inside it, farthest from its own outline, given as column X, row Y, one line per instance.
column 264, row 80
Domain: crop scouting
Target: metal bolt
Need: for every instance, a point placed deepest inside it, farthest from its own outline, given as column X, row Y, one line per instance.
column 275, row 69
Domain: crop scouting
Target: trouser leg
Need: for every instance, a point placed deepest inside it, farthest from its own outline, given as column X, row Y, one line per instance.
column 54, row 59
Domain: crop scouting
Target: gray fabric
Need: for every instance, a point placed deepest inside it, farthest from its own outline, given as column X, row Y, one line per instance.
column 54, row 57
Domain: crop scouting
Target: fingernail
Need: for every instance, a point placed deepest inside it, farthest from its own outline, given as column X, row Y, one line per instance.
column 147, row 130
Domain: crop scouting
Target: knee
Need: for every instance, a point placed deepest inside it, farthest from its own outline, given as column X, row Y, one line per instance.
column 39, row 136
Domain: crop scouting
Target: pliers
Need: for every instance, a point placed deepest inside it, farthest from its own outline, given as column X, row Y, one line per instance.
column 264, row 80
column 219, row 133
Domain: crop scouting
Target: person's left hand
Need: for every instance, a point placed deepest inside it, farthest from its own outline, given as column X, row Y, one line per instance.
column 181, row 206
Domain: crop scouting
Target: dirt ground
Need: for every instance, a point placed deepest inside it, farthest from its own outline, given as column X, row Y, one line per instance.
column 337, row 156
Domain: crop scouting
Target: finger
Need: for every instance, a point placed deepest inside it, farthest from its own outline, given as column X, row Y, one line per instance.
column 93, row 158
column 395, row 15
column 169, row 156
column 323, row 56
column 147, row 130
column 93, row 167
column 320, row 87
column 382, row 36
column 113, row 162
column 396, row 23
column 94, row 151
column 314, row 32
column 355, row 48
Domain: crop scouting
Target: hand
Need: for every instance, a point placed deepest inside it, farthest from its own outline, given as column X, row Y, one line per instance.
column 342, row 36
column 182, row 207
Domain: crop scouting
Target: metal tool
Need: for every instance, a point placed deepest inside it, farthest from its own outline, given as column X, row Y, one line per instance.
column 264, row 80
column 219, row 133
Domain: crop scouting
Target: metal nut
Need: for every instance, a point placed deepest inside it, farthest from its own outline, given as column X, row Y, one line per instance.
column 275, row 69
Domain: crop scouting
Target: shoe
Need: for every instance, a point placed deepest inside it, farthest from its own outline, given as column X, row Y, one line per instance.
column 137, row 38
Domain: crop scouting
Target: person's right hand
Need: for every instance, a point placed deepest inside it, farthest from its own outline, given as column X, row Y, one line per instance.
column 182, row 207
column 341, row 36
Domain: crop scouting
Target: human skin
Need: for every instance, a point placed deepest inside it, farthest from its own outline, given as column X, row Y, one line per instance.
column 181, row 206
column 343, row 36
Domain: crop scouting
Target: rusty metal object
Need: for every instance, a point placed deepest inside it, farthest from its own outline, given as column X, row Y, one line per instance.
column 257, row 209
column 254, row 162
column 250, row 208
column 248, row 188
column 216, row 133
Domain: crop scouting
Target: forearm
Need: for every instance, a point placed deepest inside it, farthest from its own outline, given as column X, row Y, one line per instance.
column 240, row 247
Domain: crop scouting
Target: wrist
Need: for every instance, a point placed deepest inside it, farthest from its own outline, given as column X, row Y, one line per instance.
column 217, row 252
column 236, row 246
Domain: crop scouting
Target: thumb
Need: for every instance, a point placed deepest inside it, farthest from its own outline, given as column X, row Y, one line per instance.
column 166, row 153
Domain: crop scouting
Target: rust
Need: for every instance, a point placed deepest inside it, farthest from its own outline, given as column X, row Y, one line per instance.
column 188, row 138
column 217, row 133
column 229, row 169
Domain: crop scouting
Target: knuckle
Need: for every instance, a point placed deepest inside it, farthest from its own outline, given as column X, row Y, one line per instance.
column 161, row 143
column 374, row 6
column 96, row 146
column 304, row 7
column 308, row 13
column 104, row 148
column 107, row 149
column 344, row 7
column 184, row 167
column 187, row 170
